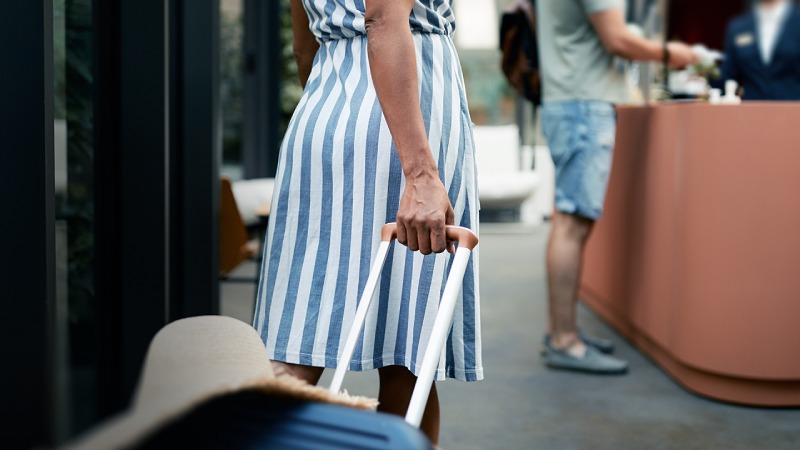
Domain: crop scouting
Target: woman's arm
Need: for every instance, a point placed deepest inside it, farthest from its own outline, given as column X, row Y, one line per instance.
column 304, row 44
column 424, row 208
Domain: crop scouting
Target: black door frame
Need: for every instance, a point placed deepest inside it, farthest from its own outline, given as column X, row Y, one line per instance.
column 27, row 223
column 158, row 126
column 197, row 155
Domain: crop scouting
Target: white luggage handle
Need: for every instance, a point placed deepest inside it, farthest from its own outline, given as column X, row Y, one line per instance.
column 466, row 243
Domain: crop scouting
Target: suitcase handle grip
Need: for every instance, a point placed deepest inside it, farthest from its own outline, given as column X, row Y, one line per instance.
column 464, row 236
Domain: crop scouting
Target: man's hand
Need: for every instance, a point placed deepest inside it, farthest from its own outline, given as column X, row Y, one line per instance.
column 681, row 55
column 424, row 212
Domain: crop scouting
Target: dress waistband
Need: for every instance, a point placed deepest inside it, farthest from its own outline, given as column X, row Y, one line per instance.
column 338, row 37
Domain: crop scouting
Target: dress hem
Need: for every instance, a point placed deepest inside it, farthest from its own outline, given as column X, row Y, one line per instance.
column 315, row 360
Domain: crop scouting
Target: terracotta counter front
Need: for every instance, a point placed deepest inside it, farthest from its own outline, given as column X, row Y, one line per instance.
column 697, row 257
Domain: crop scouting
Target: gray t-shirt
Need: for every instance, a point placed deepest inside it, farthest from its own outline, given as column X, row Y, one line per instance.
column 573, row 63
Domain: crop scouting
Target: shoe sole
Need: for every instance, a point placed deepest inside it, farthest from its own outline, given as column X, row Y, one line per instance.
column 587, row 371
column 604, row 350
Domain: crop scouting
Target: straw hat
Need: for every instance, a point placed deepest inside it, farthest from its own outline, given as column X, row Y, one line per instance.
column 192, row 361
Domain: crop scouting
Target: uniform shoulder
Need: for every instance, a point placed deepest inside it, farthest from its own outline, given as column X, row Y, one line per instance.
column 794, row 13
column 741, row 22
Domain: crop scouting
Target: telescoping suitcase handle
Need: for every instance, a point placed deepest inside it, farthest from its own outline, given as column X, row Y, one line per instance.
column 466, row 243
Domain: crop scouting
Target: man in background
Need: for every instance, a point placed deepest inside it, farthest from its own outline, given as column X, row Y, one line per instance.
column 762, row 51
column 578, row 40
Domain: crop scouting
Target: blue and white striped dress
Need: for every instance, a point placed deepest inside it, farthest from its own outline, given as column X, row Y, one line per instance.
column 339, row 180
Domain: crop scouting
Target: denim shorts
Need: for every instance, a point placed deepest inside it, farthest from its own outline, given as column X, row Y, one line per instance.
column 580, row 135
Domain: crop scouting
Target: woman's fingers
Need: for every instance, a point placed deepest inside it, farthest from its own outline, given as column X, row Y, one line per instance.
column 422, row 215
column 402, row 233
column 438, row 236
column 411, row 235
column 424, row 237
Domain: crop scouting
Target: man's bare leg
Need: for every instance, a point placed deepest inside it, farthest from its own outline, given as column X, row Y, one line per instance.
column 565, row 247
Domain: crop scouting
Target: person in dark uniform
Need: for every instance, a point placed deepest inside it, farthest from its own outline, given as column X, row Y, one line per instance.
column 762, row 51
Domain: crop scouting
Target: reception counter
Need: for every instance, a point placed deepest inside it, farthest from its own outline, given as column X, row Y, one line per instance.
column 697, row 257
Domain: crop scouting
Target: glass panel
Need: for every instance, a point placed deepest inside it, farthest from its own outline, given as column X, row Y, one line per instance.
column 231, row 86
column 77, row 321
column 61, row 373
column 233, row 62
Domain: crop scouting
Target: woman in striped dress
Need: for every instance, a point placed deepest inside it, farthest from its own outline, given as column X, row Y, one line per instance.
column 381, row 134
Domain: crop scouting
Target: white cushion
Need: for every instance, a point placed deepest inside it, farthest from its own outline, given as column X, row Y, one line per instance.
column 509, row 190
column 251, row 195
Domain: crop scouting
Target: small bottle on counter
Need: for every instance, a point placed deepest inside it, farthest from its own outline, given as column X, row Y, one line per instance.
column 730, row 97
column 714, row 96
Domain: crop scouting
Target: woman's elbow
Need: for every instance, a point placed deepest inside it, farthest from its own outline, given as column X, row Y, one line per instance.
column 385, row 20
column 374, row 24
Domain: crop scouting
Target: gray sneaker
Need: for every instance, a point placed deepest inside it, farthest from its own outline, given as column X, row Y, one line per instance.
column 604, row 345
column 592, row 362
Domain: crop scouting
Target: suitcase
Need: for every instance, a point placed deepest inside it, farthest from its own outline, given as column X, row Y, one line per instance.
column 253, row 421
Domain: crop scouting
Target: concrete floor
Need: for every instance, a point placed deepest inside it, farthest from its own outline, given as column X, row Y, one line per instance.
column 523, row 405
